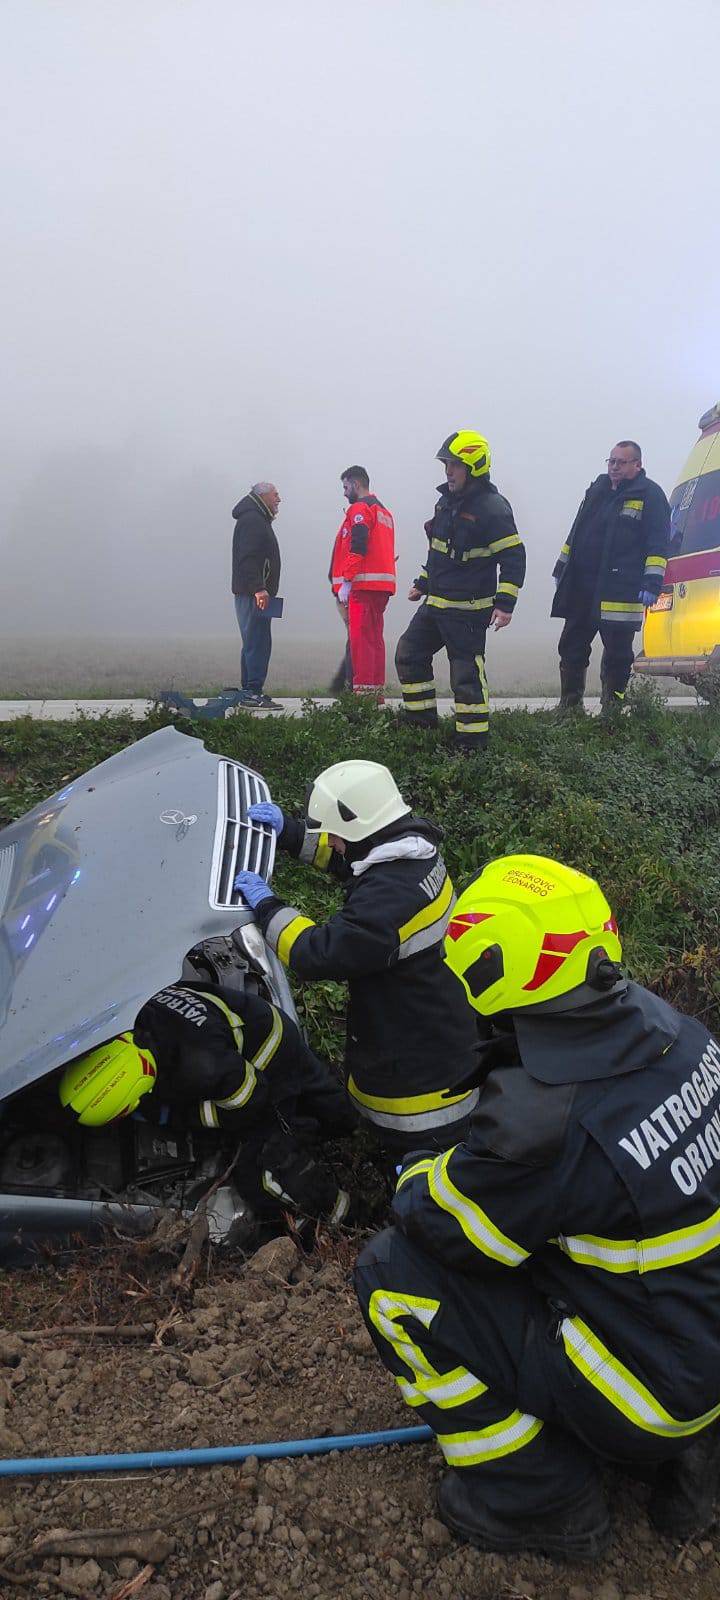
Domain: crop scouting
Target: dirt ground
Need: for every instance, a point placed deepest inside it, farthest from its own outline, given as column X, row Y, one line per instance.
column 251, row 1352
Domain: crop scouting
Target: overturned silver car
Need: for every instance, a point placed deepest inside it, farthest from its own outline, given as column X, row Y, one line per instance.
column 118, row 885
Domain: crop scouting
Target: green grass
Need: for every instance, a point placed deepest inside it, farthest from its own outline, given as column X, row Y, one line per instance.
column 636, row 804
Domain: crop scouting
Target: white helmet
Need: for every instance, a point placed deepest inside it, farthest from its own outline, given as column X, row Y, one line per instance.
column 355, row 799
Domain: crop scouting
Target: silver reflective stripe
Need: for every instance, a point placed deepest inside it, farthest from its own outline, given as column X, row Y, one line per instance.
column 623, row 1390
column 277, row 925
column 417, row 1122
column 374, row 577
column 500, row 1439
column 267, row 1050
column 427, row 937
column 309, row 846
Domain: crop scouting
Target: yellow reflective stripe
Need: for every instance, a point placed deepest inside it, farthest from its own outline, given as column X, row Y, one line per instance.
column 290, row 934
column 512, row 540
column 633, row 505
column 462, row 711
column 407, row 1105
column 430, row 913
column 474, row 1448
column 419, row 705
column 475, row 1223
column 230, row 1016
column 208, row 1115
column 656, row 561
column 458, row 605
column 415, row 1170
column 323, row 854
column 477, row 551
column 472, row 727
column 564, row 552
column 509, row 588
column 620, row 1386
column 264, row 1055
column 644, row 1255
column 443, row 1389
column 417, row 688
column 620, row 605
column 439, row 544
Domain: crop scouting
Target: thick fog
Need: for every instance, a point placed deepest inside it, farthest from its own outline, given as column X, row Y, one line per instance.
column 250, row 241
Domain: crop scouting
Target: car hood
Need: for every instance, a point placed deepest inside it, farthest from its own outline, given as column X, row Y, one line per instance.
column 106, row 886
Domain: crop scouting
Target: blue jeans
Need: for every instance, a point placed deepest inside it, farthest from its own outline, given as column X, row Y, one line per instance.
column 254, row 628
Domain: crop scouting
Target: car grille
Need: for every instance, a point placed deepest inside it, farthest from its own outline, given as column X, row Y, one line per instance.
column 240, row 845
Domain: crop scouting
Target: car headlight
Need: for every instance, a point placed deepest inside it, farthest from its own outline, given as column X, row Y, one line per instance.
column 248, row 935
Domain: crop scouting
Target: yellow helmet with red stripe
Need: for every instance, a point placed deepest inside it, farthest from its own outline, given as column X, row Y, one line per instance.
column 470, row 449
column 529, row 931
column 108, row 1082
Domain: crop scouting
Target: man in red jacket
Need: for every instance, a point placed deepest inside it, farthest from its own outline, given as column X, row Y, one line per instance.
column 362, row 574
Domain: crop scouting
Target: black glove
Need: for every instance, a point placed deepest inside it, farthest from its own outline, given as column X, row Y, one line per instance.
column 291, row 1174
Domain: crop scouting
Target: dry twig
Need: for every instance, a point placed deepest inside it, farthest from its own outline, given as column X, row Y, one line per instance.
column 133, row 1584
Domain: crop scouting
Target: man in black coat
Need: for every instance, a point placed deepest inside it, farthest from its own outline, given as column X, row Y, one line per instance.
column 609, row 570
column 255, row 581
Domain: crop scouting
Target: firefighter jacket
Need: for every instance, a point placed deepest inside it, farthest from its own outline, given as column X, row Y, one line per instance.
column 411, row 1035
column 256, row 552
column 471, row 535
column 226, row 1059
column 634, row 529
column 593, row 1165
column 364, row 549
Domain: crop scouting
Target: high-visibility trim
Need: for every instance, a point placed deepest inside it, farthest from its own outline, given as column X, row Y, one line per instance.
column 231, row 1017
column 629, row 606
column 622, row 1388
column 512, row 540
column 283, row 929
column 264, row 1055
column 315, row 850
column 463, row 710
column 425, row 938
column 655, row 563
column 471, row 727
column 419, row 705
column 439, row 544
column 405, row 1115
column 208, row 1114
column 479, row 551
column 512, row 589
column 443, row 1389
column 474, row 1449
column 458, row 605
column 374, row 577
column 643, row 1255
column 418, row 688
column 415, row 1170
column 475, row 1223
column 430, row 913
column 323, row 854
column 632, row 505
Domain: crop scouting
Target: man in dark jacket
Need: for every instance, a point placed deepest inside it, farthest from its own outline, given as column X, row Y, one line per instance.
column 471, row 534
column 412, row 1043
column 608, row 571
column 549, row 1294
column 255, row 581
column 202, row 1056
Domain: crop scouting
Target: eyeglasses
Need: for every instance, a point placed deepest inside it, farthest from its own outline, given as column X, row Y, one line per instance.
column 617, row 461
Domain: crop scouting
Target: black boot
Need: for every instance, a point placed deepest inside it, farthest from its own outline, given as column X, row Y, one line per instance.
column 578, row 1532
column 572, row 687
column 682, row 1501
column 611, row 700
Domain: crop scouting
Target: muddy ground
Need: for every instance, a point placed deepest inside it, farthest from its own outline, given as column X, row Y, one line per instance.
column 248, row 1353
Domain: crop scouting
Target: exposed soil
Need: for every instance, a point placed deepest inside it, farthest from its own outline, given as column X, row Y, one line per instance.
column 250, row 1355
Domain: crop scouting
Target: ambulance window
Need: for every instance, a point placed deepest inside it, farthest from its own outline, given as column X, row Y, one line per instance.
column 695, row 519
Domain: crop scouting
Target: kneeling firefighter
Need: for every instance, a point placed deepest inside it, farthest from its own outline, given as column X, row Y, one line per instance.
column 412, row 1050
column 549, row 1293
column 202, row 1056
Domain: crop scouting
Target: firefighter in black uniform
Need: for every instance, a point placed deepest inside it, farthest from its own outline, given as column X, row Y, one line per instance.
column 611, row 567
column 550, row 1291
column 471, row 533
column 203, row 1056
column 412, row 1051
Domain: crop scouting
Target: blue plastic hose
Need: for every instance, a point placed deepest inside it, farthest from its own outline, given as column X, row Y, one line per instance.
column 38, row 1466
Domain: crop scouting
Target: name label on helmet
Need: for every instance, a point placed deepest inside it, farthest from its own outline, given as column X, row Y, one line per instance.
column 529, row 880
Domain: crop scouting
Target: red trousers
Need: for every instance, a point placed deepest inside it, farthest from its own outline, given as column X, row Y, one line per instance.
column 367, row 644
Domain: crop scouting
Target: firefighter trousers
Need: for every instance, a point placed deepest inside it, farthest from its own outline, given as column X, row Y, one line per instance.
column 462, row 635
column 481, row 1361
column 366, row 612
column 575, row 644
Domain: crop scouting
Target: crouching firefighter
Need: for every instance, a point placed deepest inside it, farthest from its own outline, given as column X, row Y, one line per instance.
column 202, row 1056
column 549, row 1294
column 412, row 1052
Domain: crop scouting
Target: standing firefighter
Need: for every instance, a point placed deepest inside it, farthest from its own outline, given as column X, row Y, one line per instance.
column 412, row 1053
column 610, row 569
column 471, row 534
column 362, row 575
column 550, row 1292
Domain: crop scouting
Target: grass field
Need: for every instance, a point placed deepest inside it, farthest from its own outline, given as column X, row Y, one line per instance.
column 61, row 668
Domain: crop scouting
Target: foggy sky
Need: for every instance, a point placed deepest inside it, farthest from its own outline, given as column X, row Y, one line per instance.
column 248, row 241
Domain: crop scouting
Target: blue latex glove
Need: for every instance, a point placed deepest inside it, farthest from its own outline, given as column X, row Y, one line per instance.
column 647, row 597
column 253, row 888
column 344, row 592
column 267, row 811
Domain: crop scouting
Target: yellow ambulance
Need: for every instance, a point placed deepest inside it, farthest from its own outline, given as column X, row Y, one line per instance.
column 681, row 635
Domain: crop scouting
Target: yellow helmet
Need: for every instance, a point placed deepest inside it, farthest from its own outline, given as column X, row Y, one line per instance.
column 109, row 1082
column 470, row 449
column 528, row 932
